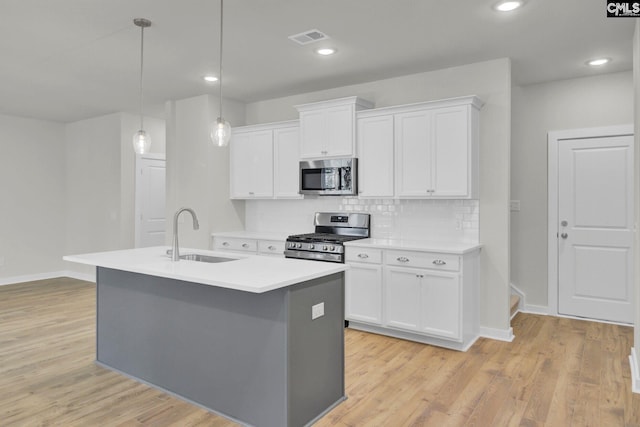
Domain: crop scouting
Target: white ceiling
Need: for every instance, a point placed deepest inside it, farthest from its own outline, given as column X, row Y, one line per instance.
column 66, row 60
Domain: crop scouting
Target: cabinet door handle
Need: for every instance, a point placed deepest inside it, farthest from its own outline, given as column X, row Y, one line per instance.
column 439, row 262
column 245, row 245
column 323, row 152
column 363, row 256
column 403, row 259
column 419, row 276
column 251, row 193
column 271, row 248
column 225, row 243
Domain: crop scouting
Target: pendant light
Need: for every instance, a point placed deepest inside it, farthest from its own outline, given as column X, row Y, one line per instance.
column 141, row 140
column 220, row 129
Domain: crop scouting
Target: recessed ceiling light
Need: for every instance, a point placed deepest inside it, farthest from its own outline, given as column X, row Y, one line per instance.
column 210, row 79
column 598, row 62
column 326, row 51
column 507, row 6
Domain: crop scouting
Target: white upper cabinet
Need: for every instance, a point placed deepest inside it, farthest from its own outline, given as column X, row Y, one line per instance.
column 264, row 161
column 327, row 128
column 252, row 164
column 375, row 155
column 286, row 158
column 413, row 168
column 436, row 149
column 425, row 150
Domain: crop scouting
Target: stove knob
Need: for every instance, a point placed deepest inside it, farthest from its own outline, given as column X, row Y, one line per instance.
column 311, row 246
column 299, row 245
column 324, row 248
column 332, row 248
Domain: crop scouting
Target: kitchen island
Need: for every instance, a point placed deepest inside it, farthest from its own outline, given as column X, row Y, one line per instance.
column 259, row 340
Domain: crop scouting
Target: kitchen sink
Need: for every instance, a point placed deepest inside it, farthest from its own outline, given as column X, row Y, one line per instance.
column 205, row 258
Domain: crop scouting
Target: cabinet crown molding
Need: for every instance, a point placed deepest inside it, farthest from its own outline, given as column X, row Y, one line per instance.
column 360, row 103
column 472, row 100
column 266, row 126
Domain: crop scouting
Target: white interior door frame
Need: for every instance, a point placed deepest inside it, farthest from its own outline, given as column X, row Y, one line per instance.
column 139, row 192
column 554, row 139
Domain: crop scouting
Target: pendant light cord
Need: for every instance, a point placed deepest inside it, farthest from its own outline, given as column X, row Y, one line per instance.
column 220, row 93
column 141, row 68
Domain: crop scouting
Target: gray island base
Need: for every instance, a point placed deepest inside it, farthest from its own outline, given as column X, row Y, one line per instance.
column 256, row 358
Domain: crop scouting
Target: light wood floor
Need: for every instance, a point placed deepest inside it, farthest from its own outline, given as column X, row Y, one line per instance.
column 557, row 372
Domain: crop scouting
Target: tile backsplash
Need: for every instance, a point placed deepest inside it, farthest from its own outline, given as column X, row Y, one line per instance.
column 390, row 218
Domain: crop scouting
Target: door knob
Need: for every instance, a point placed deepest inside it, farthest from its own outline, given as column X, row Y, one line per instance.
column 564, row 235
column 564, row 223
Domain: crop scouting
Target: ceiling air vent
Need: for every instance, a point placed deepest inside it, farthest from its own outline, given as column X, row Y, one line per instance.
column 309, row 37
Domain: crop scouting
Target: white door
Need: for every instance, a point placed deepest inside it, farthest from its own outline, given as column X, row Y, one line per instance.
column 150, row 201
column 286, row 158
column 375, row 156
column 363, row 293
column 414, row 158
column 450, row 175
column 595, row 227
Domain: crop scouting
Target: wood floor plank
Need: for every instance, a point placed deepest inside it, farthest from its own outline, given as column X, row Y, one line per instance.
column 557, row 372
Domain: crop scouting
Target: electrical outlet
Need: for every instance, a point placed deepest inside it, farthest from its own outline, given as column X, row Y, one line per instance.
column 317, row 311
column 515, row 205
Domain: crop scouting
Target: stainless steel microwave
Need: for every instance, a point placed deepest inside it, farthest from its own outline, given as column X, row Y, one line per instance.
column 331, row 177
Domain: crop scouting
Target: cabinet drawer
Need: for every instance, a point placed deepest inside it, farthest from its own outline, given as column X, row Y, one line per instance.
column 271, row 247
column 368, row 255
column 235, row 244
column 429, row 260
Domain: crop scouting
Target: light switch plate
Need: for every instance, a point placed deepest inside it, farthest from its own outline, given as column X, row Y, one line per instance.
column 317, row 311
column 515, row 205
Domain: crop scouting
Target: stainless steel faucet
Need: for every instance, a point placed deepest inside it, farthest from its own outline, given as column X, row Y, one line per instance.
column 175, row 251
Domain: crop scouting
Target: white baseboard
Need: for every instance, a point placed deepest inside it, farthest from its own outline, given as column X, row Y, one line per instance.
column 497, row 334
column 44, row 276
column 535, row 309
column 635, row 372
column 81, row 276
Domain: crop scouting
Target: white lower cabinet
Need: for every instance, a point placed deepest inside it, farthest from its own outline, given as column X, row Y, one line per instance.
column 249, row 245
column 363, row 293
column 417, row 295
column 423, row 301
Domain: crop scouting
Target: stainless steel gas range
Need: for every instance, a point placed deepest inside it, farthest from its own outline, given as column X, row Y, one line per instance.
column 331, row 231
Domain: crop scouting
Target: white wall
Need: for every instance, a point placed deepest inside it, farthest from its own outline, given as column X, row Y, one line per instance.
column 32, row 194
column 601, row 100
column 198, row 172
column 491, row 81
column 100, row 183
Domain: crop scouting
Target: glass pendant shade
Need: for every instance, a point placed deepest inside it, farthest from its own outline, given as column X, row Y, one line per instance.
column 220, row 132
column 141, row 142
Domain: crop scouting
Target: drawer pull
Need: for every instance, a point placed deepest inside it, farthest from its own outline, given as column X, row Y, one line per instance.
column 245, row 245
column 403, row 259
column 439, row 262
column 363, row 256
column 271, row 248
column 225, row 243
column 420, row 276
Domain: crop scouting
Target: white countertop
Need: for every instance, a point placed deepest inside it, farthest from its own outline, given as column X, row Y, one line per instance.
column 250, row 273
column 450, row 247
column 258, row 235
